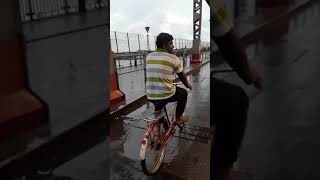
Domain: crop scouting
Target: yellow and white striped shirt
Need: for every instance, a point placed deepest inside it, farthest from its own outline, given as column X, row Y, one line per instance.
column 161, row 67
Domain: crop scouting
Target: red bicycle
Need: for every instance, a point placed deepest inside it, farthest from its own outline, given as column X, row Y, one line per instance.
column 159, row 133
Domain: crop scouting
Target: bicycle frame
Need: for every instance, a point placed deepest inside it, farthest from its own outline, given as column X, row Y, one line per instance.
column 165, row 137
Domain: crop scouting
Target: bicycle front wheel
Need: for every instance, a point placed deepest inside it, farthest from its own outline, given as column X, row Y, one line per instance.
column 152, row 150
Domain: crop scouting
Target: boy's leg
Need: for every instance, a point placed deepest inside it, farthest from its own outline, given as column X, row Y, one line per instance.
column 181, row 97
column 158, row 105
column 229, row 106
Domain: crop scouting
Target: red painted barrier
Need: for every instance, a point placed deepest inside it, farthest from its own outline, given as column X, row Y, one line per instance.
column 116, row 96
column 19, row 108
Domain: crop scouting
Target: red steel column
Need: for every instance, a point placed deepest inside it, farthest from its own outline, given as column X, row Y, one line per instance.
column 116, row 96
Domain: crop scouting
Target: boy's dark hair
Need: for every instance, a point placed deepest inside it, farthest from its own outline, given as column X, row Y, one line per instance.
column 162, row 39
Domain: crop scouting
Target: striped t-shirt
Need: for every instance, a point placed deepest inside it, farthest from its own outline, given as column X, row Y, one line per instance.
column 161, row 67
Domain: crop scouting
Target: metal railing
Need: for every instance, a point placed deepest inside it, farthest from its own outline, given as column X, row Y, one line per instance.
column 131, row 49
column 122, row 42
column 31, row 10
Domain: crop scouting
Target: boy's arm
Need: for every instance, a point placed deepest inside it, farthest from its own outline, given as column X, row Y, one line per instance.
column 184, row 80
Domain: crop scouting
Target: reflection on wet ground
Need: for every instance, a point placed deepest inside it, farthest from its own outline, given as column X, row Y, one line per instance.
column 93, row 164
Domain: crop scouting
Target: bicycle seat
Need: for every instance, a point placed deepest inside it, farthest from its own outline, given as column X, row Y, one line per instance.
column 155, row 116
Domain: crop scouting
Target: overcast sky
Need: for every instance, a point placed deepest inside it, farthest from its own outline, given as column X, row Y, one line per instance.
column 171, row 16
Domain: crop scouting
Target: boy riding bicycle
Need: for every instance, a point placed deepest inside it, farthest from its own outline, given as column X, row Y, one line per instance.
column 161, row 67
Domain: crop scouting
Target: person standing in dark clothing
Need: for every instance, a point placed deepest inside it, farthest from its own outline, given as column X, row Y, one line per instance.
column 229, row 103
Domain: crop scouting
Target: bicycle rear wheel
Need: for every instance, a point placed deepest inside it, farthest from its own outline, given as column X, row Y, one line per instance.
column 152, row 151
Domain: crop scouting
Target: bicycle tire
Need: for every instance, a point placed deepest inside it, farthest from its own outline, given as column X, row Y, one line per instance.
column 144, row 147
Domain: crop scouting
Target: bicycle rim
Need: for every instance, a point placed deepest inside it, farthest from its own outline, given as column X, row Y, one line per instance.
column 155, row 151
